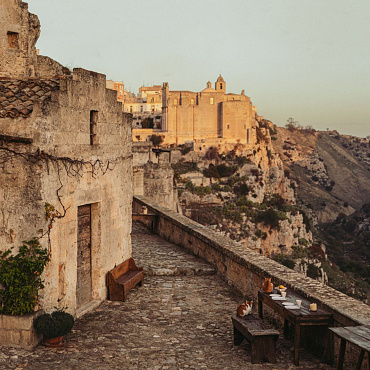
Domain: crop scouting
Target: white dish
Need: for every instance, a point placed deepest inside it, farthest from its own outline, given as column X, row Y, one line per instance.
column 295, row 307
column 278, row 298
column 288, row 304
column 275, row 295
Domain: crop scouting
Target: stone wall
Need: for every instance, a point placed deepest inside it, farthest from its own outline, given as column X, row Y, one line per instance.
column 18, row 39
column 60, row 127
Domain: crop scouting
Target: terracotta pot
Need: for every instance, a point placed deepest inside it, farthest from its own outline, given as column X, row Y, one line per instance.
column 53, row 342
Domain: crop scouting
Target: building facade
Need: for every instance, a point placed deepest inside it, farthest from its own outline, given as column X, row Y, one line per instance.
column 208, row 115
column 64, row 141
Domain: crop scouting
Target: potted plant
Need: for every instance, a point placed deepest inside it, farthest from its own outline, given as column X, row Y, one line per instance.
column 53, row 327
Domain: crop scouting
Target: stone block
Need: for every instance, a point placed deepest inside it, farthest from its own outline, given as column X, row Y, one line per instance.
column 17, row 322
column 18, row 331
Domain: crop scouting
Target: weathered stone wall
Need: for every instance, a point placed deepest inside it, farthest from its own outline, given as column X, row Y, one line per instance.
column 61, row 127
column 18, row 331
column 20, row 31
column 47, row 67
column 158, row 184
column 246, row 269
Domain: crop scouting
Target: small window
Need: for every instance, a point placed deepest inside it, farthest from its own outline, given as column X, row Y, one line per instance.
column 152, row 108
column 13, row 42
column 130, row 108
column 152, row 100
column 211, row 101
column 228, row 127
column 141, row 108
column 245, row 126
column 220, row 85
column 93, row 127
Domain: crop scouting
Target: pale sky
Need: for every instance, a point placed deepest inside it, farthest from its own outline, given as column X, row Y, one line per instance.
column 306, row 59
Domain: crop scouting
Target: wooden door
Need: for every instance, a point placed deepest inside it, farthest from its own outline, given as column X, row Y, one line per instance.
column 84, row 282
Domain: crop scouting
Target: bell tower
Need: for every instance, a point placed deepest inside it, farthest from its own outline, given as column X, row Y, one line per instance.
column 220, row 84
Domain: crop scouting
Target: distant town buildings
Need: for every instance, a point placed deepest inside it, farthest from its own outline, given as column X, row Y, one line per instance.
column 145, row 107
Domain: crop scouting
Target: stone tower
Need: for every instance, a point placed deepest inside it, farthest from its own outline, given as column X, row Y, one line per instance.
column 220, row 84
column 21, row 30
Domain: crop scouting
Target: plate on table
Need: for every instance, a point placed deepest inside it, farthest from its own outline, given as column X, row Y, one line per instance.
column 275, row 295
column 294, row 307
column 279, row 298
column 289, row 304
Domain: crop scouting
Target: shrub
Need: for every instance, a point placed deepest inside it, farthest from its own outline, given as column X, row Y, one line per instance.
column 242, row 189
column 226, row 171
column 313, row 271
column 20, row 276
column 54, row 325
column 270, row 217
column 156, row 139
column 211, row 171
column 284, row 260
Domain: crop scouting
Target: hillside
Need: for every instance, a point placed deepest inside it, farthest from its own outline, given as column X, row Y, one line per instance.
column 283, row 199
column 332, row 171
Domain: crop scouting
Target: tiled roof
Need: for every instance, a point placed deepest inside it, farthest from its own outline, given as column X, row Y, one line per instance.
column 17, row 97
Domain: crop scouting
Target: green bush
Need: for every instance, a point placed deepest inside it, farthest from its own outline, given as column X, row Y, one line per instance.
column 284, row 260
column 54, row 325
column 271, row 217
column 20, row 276
column 313, row 271
column 226, row 171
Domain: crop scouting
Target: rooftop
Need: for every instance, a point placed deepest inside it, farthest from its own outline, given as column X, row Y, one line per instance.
column 179, row 319
column 17, row 97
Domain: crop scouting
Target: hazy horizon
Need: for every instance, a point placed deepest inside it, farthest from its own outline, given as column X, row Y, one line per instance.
column 308, row 59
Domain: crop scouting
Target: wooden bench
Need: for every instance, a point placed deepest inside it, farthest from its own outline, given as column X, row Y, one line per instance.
column 123, row 278
column 261, row 336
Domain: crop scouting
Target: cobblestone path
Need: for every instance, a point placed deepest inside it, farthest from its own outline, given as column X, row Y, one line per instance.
column 179, row 319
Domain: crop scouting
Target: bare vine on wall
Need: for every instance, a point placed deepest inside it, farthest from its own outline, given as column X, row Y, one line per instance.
column 71, row 167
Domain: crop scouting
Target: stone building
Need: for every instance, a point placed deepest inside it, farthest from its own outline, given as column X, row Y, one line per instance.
column 65, row 141
column 207, row 115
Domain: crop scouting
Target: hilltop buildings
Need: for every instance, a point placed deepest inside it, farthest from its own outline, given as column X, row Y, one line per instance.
column 211, row 117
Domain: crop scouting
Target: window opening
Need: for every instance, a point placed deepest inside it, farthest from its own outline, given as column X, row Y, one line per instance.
column 13, row 40
column 93, row 127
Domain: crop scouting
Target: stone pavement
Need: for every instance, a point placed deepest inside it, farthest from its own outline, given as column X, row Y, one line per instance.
column 179, row 319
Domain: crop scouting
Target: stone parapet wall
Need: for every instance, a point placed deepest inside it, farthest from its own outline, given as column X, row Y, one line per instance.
column 246, row 269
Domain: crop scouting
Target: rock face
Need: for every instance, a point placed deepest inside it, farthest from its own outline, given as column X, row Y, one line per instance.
column 236, row 205
column 332, row 169
column 291, row 232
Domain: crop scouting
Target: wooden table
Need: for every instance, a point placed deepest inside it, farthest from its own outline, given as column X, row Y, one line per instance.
column 358, row 335
column 299, row 317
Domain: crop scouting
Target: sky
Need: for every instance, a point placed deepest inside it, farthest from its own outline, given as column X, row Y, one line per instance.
column 306, row 59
